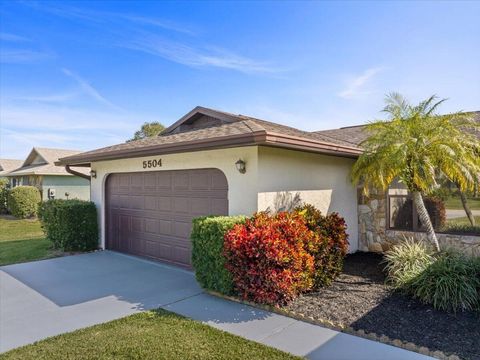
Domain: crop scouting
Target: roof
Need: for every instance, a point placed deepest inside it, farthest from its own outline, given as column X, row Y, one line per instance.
column 355, row 135
column 41, row 161
column 203, row 129
column 7, row 165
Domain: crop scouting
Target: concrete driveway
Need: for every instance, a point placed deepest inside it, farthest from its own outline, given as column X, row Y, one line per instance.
column 50, row 297
column 45, row 298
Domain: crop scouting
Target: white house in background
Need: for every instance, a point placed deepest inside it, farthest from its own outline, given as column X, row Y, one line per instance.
column 53, row 181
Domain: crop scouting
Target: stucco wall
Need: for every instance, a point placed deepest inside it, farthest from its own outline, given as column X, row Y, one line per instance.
column 320, row 180
column 77, row 187
column 242, row 193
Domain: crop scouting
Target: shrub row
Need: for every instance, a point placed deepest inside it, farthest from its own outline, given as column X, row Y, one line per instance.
column 448, row 280
column 23, row 201
column 70, row 224
column 269, row 258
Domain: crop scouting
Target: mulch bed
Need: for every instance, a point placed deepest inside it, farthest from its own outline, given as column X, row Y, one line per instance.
column 360, row 299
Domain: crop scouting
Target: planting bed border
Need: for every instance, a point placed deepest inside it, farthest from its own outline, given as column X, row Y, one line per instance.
column 341, row 328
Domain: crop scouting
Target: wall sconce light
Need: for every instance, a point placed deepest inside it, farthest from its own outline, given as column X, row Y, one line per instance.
column 240, row 164
column 93, row 174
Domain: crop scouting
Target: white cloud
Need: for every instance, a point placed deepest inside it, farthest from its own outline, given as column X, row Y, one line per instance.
column 195, row 56
column 89, row 89
column 21, row 56
column 356, row 85
column 24, row 125
column 12, row 37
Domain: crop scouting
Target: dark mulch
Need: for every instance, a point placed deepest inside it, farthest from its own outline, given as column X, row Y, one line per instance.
column 360, row 299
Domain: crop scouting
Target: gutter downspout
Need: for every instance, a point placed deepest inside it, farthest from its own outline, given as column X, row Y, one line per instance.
column 76, row 173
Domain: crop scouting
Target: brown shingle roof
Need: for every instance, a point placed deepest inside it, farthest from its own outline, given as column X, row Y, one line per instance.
column 354, row 135
column 232, row 130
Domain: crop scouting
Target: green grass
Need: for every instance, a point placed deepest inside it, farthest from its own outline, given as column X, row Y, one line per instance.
column 463, row 221
column 23, row 240
column 455, row 203
column 462, row 226
column 148, row 335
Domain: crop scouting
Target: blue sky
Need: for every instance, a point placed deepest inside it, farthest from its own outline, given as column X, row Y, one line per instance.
column 83, row 75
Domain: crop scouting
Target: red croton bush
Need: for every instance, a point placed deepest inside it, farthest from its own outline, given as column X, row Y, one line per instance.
column 274, row 258
column 332, row 245
column 268, row 258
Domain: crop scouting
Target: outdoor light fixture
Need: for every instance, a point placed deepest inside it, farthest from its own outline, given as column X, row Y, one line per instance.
column 93, row 174
column 240, row 164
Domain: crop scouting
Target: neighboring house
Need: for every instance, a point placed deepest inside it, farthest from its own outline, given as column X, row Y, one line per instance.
column 52, row 180
column 7, row 165
column 213, row 162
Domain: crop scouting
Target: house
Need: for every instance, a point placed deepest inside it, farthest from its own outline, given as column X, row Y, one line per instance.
column 7, row 165
column 211, row 162
column 53, row 181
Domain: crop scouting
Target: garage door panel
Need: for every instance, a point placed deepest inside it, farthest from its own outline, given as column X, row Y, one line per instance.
column 150, row 214
column 181, row 180
column 219, row 207
column 152, row 226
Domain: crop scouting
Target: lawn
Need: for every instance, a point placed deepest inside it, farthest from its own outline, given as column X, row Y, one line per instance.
column 148, row 335
column 23, row 240
column 455, row 203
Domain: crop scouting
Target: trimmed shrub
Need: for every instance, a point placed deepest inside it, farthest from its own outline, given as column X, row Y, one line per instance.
column 70, row 224
column 450, row 283
column 330, row 250
column 207, row 252
column 23, row 201
column 4, row 189
column 405, row 261
column 268, row 258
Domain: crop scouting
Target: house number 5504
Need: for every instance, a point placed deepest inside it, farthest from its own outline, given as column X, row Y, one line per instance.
column 152, row 163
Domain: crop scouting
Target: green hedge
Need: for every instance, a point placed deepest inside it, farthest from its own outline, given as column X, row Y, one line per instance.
column 207, row 253
column 23, row 201
column 3, row 195
column 70, row 224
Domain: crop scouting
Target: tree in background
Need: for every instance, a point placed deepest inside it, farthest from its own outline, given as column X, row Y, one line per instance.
column 148, row 129
column 416, row 146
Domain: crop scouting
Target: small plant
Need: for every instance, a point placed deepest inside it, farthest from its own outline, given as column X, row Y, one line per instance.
column 207, row 252
column 450, row 283
column 268, row 258
column 23, row 201
column 405, row 261
column 329, row 252
column 70, row 224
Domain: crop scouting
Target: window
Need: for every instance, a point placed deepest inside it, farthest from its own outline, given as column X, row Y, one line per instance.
column 445, row 208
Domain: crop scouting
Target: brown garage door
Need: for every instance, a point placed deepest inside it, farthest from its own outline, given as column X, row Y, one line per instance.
column 150, row 213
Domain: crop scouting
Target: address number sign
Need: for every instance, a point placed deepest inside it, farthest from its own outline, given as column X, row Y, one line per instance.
column 152, row 163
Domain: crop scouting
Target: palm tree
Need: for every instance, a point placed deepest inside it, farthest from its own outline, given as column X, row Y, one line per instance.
column 415, row 145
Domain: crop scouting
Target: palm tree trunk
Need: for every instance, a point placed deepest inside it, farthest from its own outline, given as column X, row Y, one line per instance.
column 470, row 216
column 425, row 218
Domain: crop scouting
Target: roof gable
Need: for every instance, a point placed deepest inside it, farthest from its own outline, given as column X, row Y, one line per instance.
column 200, row 118
column 34, row 158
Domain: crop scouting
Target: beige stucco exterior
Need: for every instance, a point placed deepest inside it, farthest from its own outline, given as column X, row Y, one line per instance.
column 322, row 180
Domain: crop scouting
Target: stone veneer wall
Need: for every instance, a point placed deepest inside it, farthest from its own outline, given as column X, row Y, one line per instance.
column 374, row 236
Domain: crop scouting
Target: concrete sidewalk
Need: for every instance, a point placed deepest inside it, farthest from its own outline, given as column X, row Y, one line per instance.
column 284, row 333
column 50, row 297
